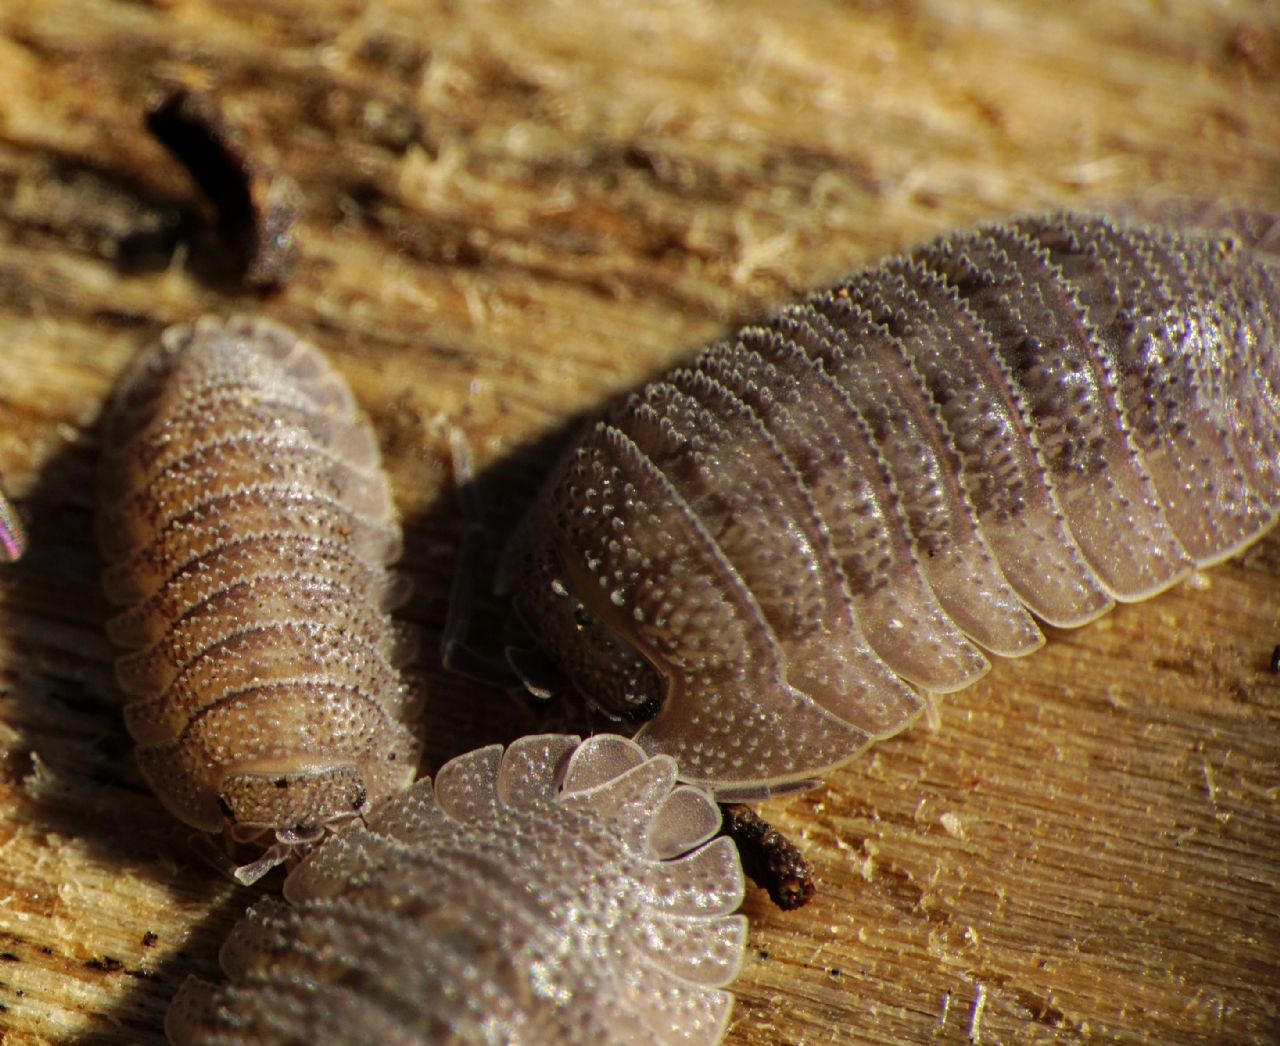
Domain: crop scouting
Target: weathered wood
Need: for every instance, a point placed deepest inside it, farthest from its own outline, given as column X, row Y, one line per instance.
column 517, row 209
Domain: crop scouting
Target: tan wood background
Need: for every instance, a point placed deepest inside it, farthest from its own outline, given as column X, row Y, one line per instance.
column 518, row 208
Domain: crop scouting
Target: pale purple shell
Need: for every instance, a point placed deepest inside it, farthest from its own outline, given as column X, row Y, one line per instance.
column 247, row 525
column 557, row 892
column 769, row 553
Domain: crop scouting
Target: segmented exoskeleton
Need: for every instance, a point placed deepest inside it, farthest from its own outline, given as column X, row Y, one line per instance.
column 556, row 892
column 247, row 525
column 768, row 554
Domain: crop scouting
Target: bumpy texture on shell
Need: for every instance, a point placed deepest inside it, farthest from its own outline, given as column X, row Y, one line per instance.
column 555, row 893
column 779, row 545
column 247, row 525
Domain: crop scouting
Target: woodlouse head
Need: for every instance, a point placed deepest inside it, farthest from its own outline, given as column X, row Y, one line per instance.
column 287, row 812
column 610, row 673
column 296, row 804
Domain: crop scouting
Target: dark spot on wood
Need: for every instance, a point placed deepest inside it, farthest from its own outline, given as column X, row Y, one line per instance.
column 106, row 964
column 1254, row 48
column 1041, row 1010
column 769, row 858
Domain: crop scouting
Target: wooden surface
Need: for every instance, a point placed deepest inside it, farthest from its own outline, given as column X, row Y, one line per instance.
column 516, row 209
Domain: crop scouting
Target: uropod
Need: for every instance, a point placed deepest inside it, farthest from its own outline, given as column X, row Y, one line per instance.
column 247, row 525
column 554, row 892
column 765, row 558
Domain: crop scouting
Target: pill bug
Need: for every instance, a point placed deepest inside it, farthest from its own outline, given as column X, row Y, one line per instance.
column 247, row 524
column 557, row 892
column 767, row 555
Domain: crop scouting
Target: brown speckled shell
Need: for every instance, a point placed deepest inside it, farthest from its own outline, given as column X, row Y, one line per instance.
column 780, row 545
column 557, row 893
column 247, row 524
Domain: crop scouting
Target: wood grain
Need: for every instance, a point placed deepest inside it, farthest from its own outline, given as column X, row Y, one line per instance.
column 517, row 209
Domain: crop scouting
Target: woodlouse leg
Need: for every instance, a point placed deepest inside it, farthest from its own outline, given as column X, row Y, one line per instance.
column 771, row 860
column 290, row 843
column 539, row 677
column 244, row 874
column 276, row 854
column 932, row 712
column 759, row 793
column 456, row 654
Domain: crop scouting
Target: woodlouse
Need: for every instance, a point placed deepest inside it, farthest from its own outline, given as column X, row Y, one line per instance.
column 247, row 525
column 13, row 535
column 560, row 892
column 766, row 555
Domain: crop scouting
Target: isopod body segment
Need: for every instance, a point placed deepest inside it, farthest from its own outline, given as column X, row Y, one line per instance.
column 247, row 527
column 766, row 555
column 556, row 892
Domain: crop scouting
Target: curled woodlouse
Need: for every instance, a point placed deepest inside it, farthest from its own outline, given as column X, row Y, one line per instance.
column 767, row 554
column 557, row 892
column 247, row 525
